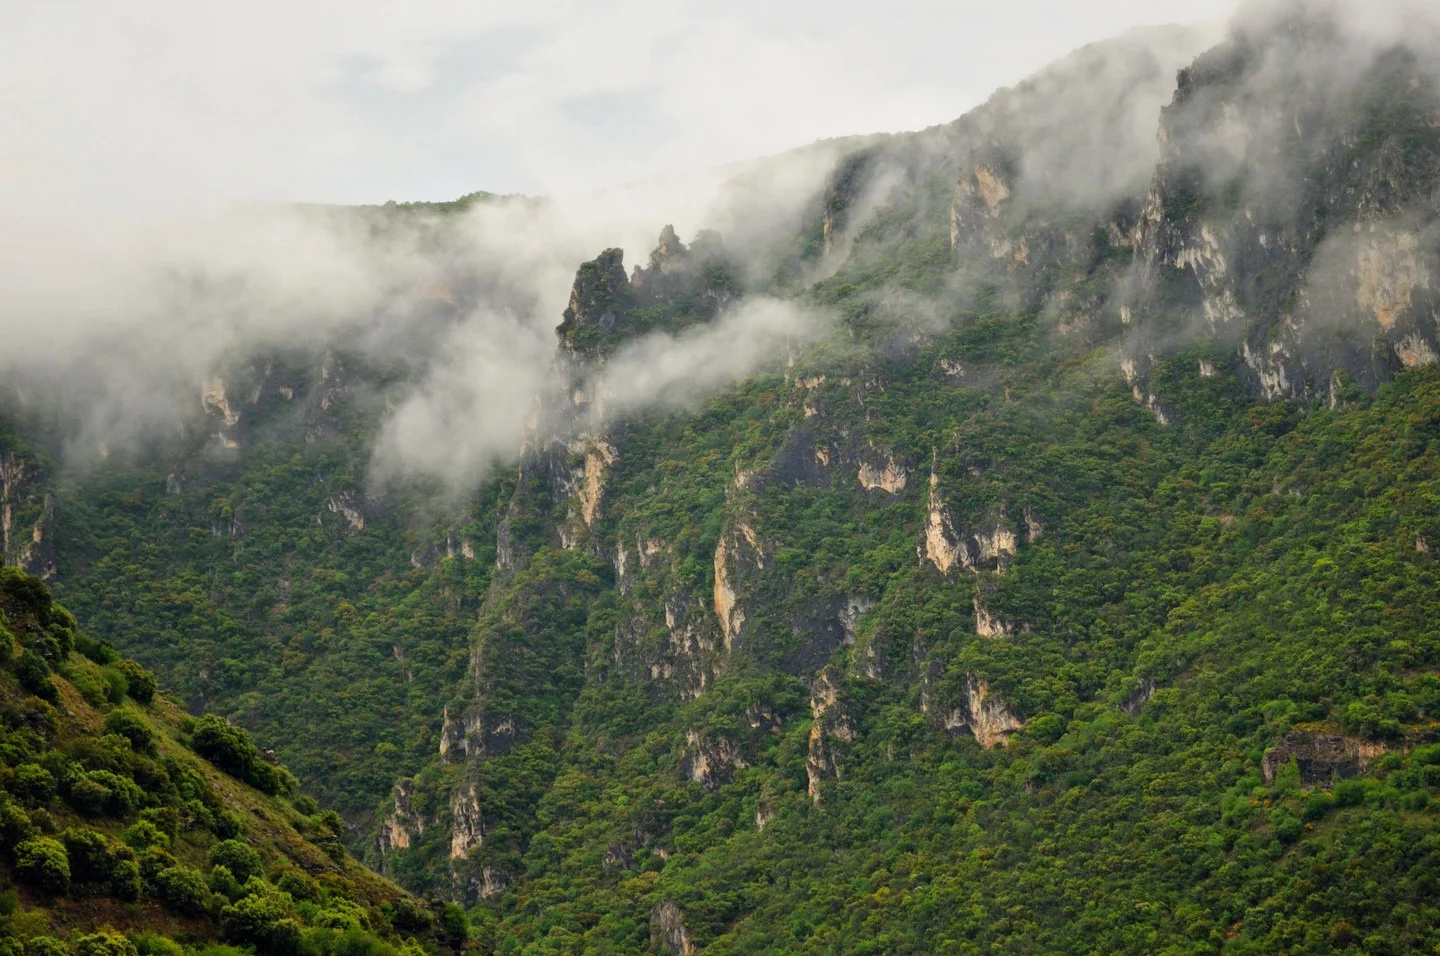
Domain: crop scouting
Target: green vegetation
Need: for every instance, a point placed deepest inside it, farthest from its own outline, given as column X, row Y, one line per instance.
column 1001, row 620
column 121, row 839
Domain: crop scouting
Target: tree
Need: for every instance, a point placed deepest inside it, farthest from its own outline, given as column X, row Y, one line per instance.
column 183, row 890
column 104, row 943
column 240, row 859
column 32, row 785
column 43, row 863
column 140, row 683
column 131, row 726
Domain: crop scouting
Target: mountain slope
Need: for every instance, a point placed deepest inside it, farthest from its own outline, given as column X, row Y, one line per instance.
column 115, row 821
column 1071, row 589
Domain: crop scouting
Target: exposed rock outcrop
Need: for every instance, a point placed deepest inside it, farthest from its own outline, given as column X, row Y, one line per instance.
column 976, row 711
column 26, row 512
column 402, row 824
column 879, row 471
column 1321, row 755
column 350, row 506
column 987, row 624
column 710, row 762
column 467, row 826
column 668, row 931
column 831, row 725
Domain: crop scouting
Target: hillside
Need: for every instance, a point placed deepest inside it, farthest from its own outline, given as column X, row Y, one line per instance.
column 1018, row 540
column 126, row 825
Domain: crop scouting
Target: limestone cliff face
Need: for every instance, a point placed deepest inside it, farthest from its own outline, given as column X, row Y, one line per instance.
column 988, row 543
column 710, row 762
column 1284, row 222
column 669, row 635
column 668, row 931
column 832, row 727
column 600, row 300
column 402, row 825
column 26, row 513
column 467, row 825
column 969, row 708
column 1322, row 755
column 879, row 471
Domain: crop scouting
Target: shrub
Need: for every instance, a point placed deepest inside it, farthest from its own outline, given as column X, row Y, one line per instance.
column 124, row 881
column 88, row 797
column 34, row 675
column 183, row 890
column 102, row 793
column 140, row 683
column 457, row 924
column 15, row 825
column 260, row 920
column 342, row 914
column 116, row 686
column 1350, row 793
column 43, row 863
column 299, row 885
column 222, row 881
column 1316, row 807
column 1286, row 825
column 232, row 750
column 408, row 915
column 46, row 946
column 104, row 943
column 131, row 726
column 153, row 861
column 241, row 860
column 144, row 835
column 227, row 747
column 228, row 825
column 100, row 652
column 153, row 944
column 101, row 864
column 32, row 785
column 165, row 819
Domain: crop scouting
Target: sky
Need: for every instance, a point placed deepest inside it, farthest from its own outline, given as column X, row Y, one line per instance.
column 139, row 108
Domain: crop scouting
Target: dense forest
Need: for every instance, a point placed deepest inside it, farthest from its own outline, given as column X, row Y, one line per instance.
column 1067, row 585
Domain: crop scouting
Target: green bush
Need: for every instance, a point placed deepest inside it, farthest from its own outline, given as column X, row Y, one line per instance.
column 140, row 683
column 299, row 885
column 34, row 675
column 104, row 943
column 153, row 944
column 42, row 862
column 183, row 890
column 15, row 824
column 232, row 750
column 165, row 819
column 261, row 920
column 408, row 915
column 131, row 726
column 222, row 881
column 96, row 793
column 228, row 825
column 46, row 946
column 116, row 686
column 144, row 834
column 100, row 864
column 32, row 785
column 152, row 861
column 240, row 859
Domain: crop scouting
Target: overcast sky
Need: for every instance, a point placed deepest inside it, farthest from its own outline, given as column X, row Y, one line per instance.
column 131, row 104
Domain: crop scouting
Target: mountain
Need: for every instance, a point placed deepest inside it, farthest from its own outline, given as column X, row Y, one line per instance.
column 1016, row 540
